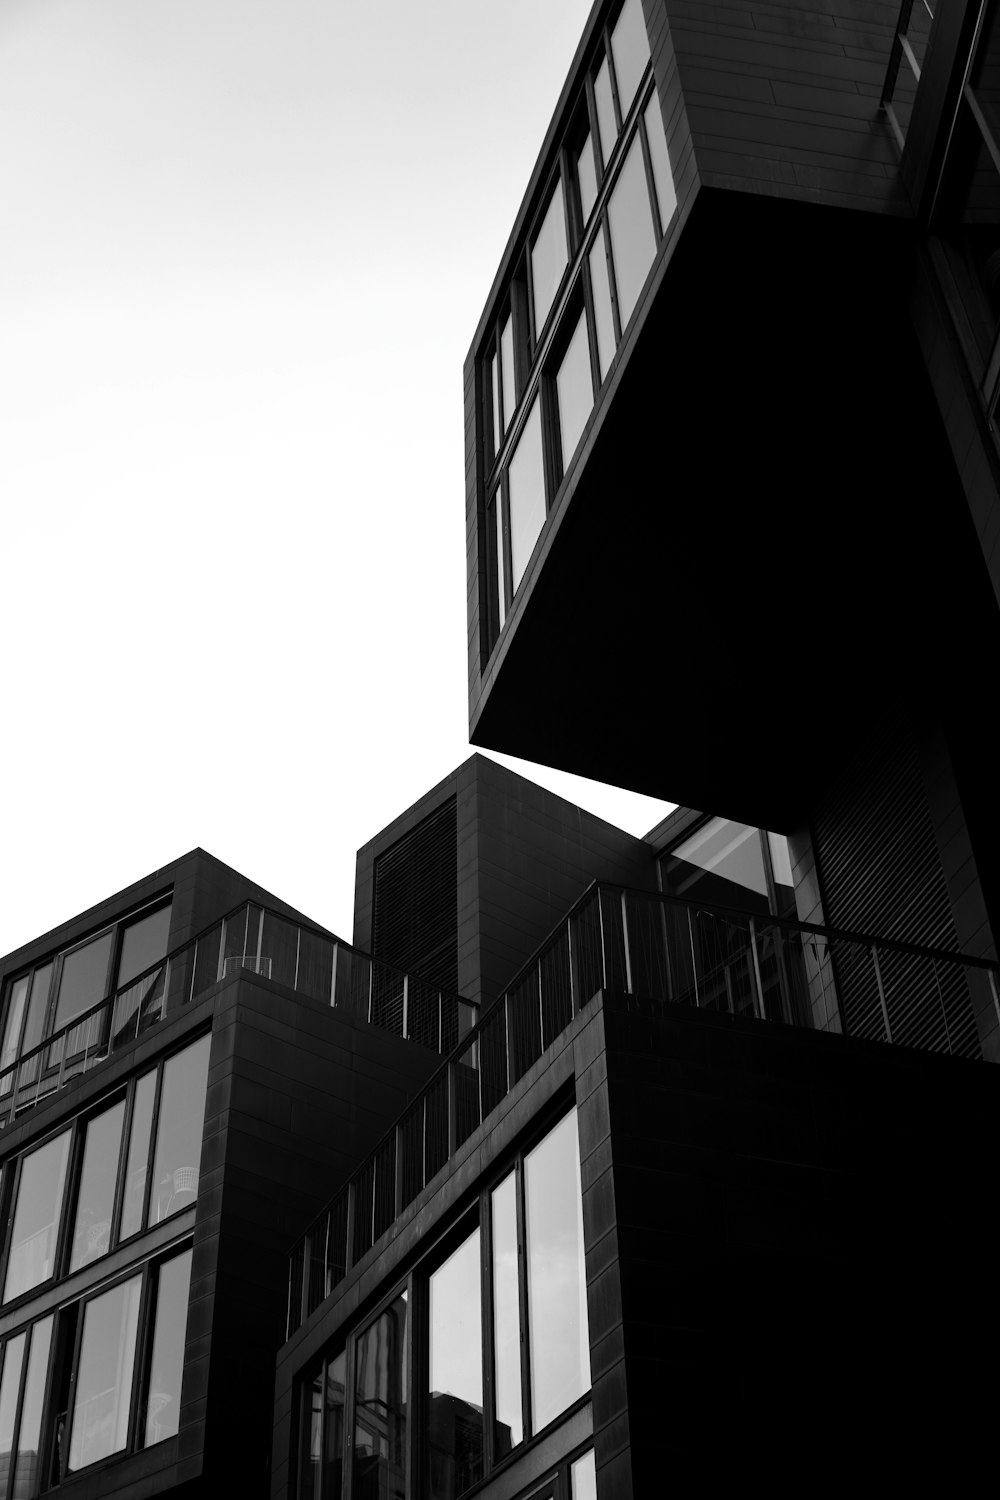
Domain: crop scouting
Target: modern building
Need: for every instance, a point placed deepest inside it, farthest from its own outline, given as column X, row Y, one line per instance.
column 702, row 1197
column 185, row 1070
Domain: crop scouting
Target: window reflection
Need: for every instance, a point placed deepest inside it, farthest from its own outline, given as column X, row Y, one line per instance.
column 379, row 1469
column 103, row 1395
column 548, row 258
column 144, row 943
column 27, row 1469
column 31, row 1259
column 606, row 125
column 630, row 50
column 455, row 1378
column 526, row 489
column 663, row 179
column 10, row 1384
column 96, row 1195
column 509, row 1429
column 721, row 863
column 557, row 1284
column 336, row 1405
column 179, row 1131
column 603, row 318
column 586, row 178
column 84, row 978
column 633, row 243
column 138, row 1154
column 584, row 1478
column 574, row 390
column 508, row 393
column 163, row 1401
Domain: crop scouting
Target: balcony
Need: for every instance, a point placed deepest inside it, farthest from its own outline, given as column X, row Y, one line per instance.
column 255, row 940
column 658, row 949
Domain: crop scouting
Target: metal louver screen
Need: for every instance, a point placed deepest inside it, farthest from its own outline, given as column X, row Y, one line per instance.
column 881, row 874
column 415, row 922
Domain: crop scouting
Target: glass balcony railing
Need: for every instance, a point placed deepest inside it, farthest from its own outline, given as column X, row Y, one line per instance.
column 252, row 939
column 906, row 61
column 658, row 949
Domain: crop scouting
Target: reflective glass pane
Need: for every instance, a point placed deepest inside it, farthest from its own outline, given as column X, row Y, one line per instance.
column 144, row 943
column 603, row 319
column 548, row 258
column 722, row 863
column 663, row 178
column 526, row 489
column 179, row 1131
column 584, row 1477
column 586, row 176
column 557, row 1287
column 10, row 1384
column 16, row 995
column 138, row 1155
column 84, row 978
column 455, row 1386
column 380, row 1406
column 36, row 1217
column 509, row 1429
column 630, row 50
column 336, row 1405
column 310, row 1477
column 37, row 1008
column 501, row 564
column 96, row 1199
column 606, row 125
column 27, row 1474
column 163, row 1403
column 575, row 391
column 495, row 404
column 633, row 243
column 508, row 391
column 104, row 1375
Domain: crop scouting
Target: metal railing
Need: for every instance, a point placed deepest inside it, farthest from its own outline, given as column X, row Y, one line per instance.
column 661, row 949
column 251, row 938
column 909, row 44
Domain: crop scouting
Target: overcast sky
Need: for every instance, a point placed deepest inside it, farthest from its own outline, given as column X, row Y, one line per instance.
column 244, row 245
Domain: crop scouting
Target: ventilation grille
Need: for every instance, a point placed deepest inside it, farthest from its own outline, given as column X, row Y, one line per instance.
column 881, row 874
column 415, row 924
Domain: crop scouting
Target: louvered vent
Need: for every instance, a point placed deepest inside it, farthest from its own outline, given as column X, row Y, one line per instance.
column 416, row 900
column 881, row 874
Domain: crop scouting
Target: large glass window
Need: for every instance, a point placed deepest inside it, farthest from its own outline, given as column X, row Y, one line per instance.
column 526, row 482
column 455, row 1360
column 508, row 1428
column 630, row 50
column 96, row 1194
column 380, row 1401
column 42, row 1179
column 85, row 978
column 137, row 1166
column 722, row 863
column 179, row 1130
column 633, row 242
column 574, row 390
column 557, row 1285
column 604, row 321
column 606, row 123
column 163, row 1398
column 10, row 1388
column 549, row 254
column 144, row 943
column 103, row 1396
column 659, row 159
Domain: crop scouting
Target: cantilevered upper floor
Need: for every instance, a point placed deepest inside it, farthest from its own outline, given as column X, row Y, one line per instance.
column 698, row 425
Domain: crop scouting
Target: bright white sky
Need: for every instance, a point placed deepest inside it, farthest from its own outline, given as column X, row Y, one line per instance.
column 244, row 245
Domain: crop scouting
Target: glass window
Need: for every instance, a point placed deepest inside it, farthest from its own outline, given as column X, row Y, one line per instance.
column 633, row 244
column 557, row 1284
column 138, row 1155
column 10, row 1385
column 179, row 1130
column 163, row 1402
column 103, row 1397
column 509, row 1429
column 144, row 943
column 526, row 490
column 584, row 1477
column 38, row 1007
column 721, row 863
column 380, row 1406
column 630, row 50
column 508, row 392
column 36, row 1218
column 606, row 125
column 548, row 258
column 84, row 978
column 336, row 1405
column 98, row 1177
column 455, row 1383
column 603, row 318
column 27, row 1474
column 575, row 391
column 663, row 178
column 309, row 1486
column 586, row 176
column 495, row 391
column 17, row 995
column 501, row 564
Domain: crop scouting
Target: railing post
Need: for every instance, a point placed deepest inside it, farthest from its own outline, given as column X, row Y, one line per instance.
column 398, row 1198
column 881, row 993
column 298, row 945
column 600, row 924
column 406, row 996
column 371, row 987
column 569, row 959
column 541, row 1012
column 666, row 949
column 352, row 1209
column 756, row 970
column 694, row 961
column 508, row 1039
column 440, row 1023
column 452, row 1110
column 194, row 970
column 628, row 955
column 306, row 1259
column 333, row 977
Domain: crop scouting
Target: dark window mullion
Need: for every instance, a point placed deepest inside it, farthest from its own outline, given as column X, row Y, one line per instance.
column 71, row 1392
column 71, row 1196
column 522, row 1298
column 154, row 1128
column 647, row 162
column 142, row 1356
column 612, row 283
column 19, row 1405
column 123, row 1151
column 489, row 1314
